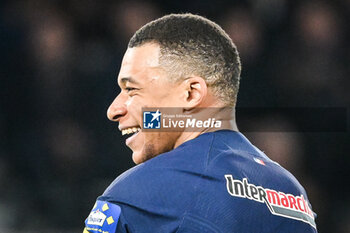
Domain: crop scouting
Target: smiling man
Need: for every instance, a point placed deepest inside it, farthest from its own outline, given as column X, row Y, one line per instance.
column 186, row 180
column 146, row 82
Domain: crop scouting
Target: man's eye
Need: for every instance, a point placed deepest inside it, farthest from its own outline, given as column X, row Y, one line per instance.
column 128, row 89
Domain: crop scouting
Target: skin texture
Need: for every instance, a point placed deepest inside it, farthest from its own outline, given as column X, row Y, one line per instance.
column 144, row 83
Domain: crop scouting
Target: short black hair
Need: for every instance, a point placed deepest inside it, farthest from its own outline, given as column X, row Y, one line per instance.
column 199, row 45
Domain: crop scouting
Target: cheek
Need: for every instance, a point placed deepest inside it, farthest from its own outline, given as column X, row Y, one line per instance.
column 165, row 96
column 157, row 143
column 138, row 102
column 150, row 151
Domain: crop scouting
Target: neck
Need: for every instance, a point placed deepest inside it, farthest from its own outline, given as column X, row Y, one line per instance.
column 225, row 115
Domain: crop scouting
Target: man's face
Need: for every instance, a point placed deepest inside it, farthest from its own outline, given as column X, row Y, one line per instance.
column 144, row 83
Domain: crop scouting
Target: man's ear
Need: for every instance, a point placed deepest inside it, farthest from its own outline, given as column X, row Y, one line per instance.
column 196, row 90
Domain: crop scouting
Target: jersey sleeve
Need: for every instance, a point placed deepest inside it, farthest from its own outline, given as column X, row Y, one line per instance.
column 105, row 217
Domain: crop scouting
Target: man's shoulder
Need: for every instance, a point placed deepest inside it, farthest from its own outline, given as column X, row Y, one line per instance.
column 223, row 166
column 160, row 177
column 232, row 153
column 248, row 179
column 211, row 155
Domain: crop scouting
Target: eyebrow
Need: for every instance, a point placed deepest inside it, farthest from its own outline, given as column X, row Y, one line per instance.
column 128, row 79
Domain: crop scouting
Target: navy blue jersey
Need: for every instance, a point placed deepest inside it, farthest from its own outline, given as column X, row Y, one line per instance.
column 217, row 182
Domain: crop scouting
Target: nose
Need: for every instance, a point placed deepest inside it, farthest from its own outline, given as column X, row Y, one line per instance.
column 117, row 109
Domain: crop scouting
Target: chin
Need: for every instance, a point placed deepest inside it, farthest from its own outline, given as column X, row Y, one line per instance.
column 139, row 157
column 136, row 158
column 146, row 153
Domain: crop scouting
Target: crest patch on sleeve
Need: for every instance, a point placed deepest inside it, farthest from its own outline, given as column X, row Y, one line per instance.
column 103, row 218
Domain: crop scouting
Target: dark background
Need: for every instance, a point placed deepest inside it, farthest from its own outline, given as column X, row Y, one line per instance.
column 59, row 61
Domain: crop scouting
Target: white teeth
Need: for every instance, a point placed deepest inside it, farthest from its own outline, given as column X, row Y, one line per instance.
column 130, row 130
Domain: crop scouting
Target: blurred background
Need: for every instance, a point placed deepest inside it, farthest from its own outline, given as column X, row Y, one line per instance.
column 59, row 62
